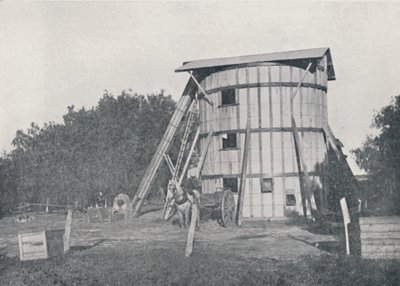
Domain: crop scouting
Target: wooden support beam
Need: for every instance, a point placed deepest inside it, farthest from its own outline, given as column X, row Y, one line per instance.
column 305, row 185
column 196, row 138
column 300, row 83
column 170, row 164
column 202, row 90
column 332, row 141
column 204, row 152
column 243, row 175
column 192, row 229
column 67, row 232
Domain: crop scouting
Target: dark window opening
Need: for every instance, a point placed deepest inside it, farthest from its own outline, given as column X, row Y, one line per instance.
column 290, row 200
column 229, row 140
column 231, row 183
column 266, row 185
column 228, row 97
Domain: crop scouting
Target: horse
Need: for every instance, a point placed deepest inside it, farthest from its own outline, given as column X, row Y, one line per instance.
column 182, row 202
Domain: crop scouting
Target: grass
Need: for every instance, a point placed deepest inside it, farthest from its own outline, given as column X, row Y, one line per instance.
column 150, row 252
column 167, row 266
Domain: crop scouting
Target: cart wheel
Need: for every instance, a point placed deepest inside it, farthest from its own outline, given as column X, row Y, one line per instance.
column 228, row 209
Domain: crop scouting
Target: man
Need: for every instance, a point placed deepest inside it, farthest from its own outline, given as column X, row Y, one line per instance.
column 192, row 182
column 100, row 201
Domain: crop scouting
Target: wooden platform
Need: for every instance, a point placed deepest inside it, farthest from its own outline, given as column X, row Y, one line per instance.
column 380, row 237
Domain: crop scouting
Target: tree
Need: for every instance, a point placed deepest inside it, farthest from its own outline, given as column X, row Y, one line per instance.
column 106, row 148
column 8, row 195
column 379, row 156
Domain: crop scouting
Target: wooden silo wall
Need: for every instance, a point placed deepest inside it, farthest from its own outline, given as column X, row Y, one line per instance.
column 263, row 92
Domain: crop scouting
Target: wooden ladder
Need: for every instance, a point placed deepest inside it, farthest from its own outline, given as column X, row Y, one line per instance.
column 163, row 147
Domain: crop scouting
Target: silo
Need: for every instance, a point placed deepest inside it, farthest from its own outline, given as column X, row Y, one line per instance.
column 258, row 88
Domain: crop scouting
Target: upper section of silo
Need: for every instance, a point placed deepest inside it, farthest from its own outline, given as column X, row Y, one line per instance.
column 260, row 88
column 299, row 58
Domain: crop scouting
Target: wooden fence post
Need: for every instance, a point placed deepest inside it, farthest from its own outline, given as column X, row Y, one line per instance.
column 346, row 221
column 192, row 228
column 67, row 232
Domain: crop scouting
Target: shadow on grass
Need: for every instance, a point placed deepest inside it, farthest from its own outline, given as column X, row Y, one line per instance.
column 332, row 225
column 246, row 237
column 86, row 247
column 330, row 246
column 150, row 208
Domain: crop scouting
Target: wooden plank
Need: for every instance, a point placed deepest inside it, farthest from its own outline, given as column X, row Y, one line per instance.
column 32, row 246
column 380, row 227
column 55, row 242
column 380, row 220
column 21, row 251
column 260, row 148
column 204, row 152
column 189, row 157
column 243, row 175
column 305, row 184
column 390, row 248
column 201, row 89
column 192, row 228
column 301, row 82
column 67, row 233
column 169, row 164
column 282, row 92
column 383, row 255
column 379, row 235
column 271, row 144
column 346, row 221
column 381, row 241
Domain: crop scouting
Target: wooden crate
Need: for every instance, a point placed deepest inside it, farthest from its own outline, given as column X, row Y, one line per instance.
column 55, row 242
column 380, row 237
column 32, row 246
column 41, row 245
column 47, row 243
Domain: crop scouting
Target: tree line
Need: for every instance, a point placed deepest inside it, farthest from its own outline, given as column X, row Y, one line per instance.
column 379, row 156
column 106, row 148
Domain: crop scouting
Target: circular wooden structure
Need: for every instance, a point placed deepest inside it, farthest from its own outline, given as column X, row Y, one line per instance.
column 261, row 92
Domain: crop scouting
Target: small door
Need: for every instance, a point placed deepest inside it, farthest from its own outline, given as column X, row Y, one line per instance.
column 290, row 201
column 267, row 187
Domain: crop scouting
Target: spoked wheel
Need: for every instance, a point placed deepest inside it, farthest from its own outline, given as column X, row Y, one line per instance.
column 228, row 209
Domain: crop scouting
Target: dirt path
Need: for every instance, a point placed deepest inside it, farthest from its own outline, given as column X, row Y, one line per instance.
column 265, row 240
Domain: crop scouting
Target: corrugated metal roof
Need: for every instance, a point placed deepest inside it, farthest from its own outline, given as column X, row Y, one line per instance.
column 290, row 56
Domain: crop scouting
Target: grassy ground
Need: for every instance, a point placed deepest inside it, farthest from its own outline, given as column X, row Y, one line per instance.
column 147, row 251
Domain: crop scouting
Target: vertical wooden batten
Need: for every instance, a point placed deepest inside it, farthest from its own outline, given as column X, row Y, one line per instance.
column 260, row 141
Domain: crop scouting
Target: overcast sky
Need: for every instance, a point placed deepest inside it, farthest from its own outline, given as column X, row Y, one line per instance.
column 54, row 54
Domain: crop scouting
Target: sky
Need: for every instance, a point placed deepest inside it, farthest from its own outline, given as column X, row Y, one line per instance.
column 55, row 54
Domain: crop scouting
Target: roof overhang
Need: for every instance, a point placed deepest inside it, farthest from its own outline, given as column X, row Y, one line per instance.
column 299, row 58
